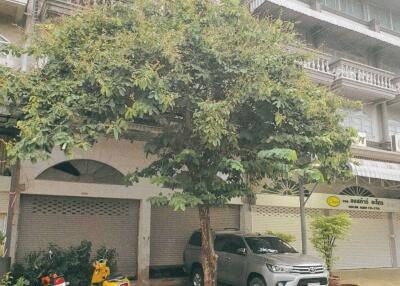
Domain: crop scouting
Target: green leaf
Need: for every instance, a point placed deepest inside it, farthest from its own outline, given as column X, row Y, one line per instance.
column 283, row 154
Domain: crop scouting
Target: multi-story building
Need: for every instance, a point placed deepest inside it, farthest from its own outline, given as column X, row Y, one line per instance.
column 357, row 48
column 11, row 31
column 357, row 56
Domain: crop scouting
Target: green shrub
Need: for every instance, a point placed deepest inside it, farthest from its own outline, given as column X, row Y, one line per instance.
column 286, row 237
column 325, row 231
column 75, row 263
column 8, row 280
column 110, row 255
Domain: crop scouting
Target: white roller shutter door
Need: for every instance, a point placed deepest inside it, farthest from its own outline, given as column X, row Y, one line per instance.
column 66, row 221
column 170, row 231
column 3, row 210
column 282, row 219
column 368, row 244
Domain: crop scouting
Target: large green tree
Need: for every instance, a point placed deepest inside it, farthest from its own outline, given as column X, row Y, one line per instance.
column 226, row 90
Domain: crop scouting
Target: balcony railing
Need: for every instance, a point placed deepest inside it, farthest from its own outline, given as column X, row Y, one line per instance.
column 320, row 62
column 362, row 73
column 396, row 84
column 53, row 8
column 10, row 61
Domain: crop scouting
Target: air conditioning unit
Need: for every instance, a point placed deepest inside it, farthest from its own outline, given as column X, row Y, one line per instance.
column 361, row 139
column 396, row 143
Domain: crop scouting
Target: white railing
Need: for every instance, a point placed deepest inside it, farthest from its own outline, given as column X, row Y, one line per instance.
column 319, row 62
column 362, row 73
column 396, row 84
column 10, row 61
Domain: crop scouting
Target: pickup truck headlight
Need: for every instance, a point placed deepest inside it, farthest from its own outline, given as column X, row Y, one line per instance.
column 280, row 268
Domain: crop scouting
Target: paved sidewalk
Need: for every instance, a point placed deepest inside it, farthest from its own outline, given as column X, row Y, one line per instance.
column 371, row 277
column 361, row 277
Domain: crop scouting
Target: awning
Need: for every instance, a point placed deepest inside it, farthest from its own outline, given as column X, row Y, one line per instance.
column 376, row 169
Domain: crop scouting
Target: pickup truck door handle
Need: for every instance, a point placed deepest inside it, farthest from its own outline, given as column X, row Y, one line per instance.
column 228, row 259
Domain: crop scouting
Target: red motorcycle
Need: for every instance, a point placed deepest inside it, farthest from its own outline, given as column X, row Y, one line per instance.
column 51, row 278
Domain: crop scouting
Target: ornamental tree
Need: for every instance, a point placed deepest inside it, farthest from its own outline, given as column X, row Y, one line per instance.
column 229, row 97
column 326, row 230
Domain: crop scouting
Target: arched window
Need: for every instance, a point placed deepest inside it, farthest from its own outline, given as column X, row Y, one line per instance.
column 284, row 187
column 356, row 191
column 83, row 171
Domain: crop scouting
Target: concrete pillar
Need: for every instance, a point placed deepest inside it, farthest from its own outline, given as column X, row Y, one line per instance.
column 144, row 243
column 385, row 122
column 393, row 239
column 13, row 238
column 246, row 221
column 13, row 213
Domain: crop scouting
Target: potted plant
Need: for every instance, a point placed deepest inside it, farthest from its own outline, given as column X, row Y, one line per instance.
column 325, row 231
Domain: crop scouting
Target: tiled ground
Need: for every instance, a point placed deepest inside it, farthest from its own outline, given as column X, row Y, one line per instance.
column 371, row 277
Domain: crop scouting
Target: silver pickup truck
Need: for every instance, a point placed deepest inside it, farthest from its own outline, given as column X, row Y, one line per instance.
column 255, row 260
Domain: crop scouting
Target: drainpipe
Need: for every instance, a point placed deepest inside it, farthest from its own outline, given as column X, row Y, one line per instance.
column 393, row 239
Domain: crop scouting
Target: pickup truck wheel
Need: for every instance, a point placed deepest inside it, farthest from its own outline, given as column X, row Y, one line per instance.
column 197, row 277
column 256, row 281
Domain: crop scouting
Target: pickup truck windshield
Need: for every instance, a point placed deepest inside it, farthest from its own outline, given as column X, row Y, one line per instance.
column 261, row 245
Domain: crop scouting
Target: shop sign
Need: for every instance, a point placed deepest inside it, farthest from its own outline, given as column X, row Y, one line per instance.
column 332, row 201
column 356, row 203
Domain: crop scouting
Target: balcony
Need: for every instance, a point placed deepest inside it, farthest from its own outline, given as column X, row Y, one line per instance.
column 361, row 82
column 10, row 61
column 6, row 59
column 352, row 79
column 54, row 8
column 318, row 68
column 13, row 8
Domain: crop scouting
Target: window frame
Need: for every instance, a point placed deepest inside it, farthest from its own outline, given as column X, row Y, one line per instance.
column 227, row 238
column 385, row 10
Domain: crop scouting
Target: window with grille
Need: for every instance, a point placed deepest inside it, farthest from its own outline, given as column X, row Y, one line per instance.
column 350, row 7
column 80, row 206
column 396, row 21
column 381, row 15
column 394, row 127
column 356, row 191
column 360, row 121
column 83, row 171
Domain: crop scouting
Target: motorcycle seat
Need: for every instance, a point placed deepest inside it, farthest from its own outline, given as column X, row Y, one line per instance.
column 117, row 276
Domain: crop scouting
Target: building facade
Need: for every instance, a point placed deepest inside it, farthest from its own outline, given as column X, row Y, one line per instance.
column 63, row 201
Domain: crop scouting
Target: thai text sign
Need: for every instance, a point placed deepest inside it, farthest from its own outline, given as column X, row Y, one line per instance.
column 332, row 201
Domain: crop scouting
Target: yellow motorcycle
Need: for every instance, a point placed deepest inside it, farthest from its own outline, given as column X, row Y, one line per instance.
column 101, row 275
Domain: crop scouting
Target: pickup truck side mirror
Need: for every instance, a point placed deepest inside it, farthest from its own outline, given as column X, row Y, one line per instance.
column 241, row 251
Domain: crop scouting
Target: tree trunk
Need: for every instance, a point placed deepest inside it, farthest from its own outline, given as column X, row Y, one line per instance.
column 208, row 255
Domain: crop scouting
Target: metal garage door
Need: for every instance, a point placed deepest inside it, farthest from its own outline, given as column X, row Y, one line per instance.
column 283, row 219
column 3, row 210
column 396, row 230
column 65, row 221
column 368, row 244
column 171, row 230
column 3, row 202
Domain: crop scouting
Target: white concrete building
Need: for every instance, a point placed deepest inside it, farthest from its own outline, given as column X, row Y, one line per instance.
column 63, row 201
